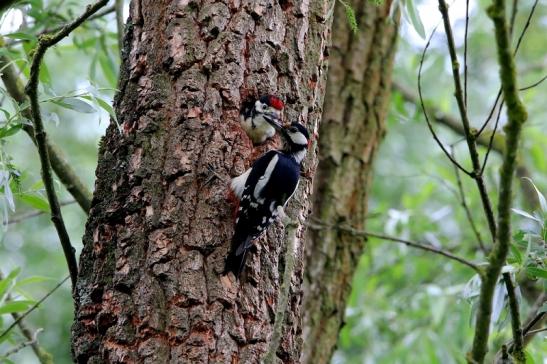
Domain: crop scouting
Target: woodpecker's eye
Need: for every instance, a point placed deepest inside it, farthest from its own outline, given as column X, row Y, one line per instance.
column 293, row 130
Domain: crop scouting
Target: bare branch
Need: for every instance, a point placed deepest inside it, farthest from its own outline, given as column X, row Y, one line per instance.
column 433, row 133
column 30, row 215
column 468, row 211
column 518, row 344
column 119, row 23
column 45, row 42
column 492, row 136
column 21, row 346
column 426, row 247
column 470, row 138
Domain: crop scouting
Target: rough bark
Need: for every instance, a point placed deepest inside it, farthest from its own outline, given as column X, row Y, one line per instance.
column 149, row 289
column 356, row 101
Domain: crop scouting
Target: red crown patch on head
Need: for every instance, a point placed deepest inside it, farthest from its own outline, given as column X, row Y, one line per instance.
column 276, row 103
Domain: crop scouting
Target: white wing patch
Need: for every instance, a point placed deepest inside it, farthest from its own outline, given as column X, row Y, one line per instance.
column 263, row 180
column 238, row 183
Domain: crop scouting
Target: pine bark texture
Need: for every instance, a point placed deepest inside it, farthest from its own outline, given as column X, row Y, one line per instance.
column 149, row 288
column 355, row 109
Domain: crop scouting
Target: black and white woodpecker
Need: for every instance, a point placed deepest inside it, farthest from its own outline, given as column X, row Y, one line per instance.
column 257, row 117
column 264, row 190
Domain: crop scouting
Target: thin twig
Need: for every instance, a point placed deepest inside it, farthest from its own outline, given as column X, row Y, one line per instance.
column 38, row 303
column 518, row 345
column 119, row 23
column 487, row 205
column 465, row 53
column 533, row 332
column 521, row 37
column 426, row 247
column 429, row 125
column 43, row 356
column 517, row 115
column 21, row 346
column 498, row 142
column 491, row 141
column 45, row 42
column 30, row 215
column 467, row 210
column 62, row 168
column 534, row 84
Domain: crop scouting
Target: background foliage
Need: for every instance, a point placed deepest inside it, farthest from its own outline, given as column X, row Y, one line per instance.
column 407, row 306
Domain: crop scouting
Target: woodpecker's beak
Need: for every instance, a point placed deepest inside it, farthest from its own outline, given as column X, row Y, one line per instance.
column 274, row 121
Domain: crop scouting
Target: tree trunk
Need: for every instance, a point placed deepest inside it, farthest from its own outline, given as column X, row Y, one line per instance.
column 356, row 104
column 149, row 288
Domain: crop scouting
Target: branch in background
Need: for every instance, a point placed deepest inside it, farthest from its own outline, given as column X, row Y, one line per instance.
column 498, row 142
column 433, row 133
column 30, row 215
column 31, row 89
column 426, row 247
column 470, row 138
column 521, row 37
column 33, row 340
column 119, row 22
column 34, row 307
column 69, row 178
column 518, row 345
column 43, row 356
column 516, row 114
column 467, row 210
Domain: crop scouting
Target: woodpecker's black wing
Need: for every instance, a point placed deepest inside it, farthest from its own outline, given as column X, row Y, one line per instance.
column 271, row 182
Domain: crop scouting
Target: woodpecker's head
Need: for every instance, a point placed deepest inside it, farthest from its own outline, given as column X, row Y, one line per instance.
column 297, row 140
column 270, row 107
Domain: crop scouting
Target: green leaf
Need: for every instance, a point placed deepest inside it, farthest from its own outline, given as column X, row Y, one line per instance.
column 529, row 358
column 15, row 306
column 34, row 200
column 10, row 130
column 536, row 272
column 31, row 280
column 516, row 254
column 415, row 18
column 6, row 282
column 21, row 35
column 76, row 105
column 350, row 16
column 525, row 214
column 541, row 198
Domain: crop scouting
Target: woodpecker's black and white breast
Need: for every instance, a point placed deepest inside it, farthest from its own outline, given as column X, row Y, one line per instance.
column 257, row 115
column 264, row 190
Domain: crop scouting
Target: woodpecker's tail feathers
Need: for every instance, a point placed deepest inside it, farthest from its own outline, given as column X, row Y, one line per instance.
column 235, row 262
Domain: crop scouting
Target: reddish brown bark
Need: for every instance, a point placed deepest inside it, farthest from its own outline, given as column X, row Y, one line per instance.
column 150, row 289
column 355, row 109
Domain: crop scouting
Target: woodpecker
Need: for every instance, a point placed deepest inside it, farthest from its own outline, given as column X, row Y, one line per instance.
column 255, row 115
column 264, row 190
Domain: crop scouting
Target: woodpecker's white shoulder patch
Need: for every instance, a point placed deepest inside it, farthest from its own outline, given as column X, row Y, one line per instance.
column 238, row 183
column 263, row 180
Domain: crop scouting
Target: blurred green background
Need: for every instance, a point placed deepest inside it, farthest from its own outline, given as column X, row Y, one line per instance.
column 407, row 306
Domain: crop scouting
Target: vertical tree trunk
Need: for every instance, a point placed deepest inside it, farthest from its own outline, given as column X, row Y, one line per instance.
column 149, row 289
column 356, row 103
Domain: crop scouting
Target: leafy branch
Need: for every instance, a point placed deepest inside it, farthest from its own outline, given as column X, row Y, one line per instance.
column 31, row 89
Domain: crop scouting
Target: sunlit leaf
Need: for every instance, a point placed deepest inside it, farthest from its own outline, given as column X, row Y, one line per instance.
column 10, row 130
column 6, row 282
column 536, row 272
column 415, row 18
column 34, row 200
column 15, row 306
column 76, row 105
column 526, row 215
column 541, row 198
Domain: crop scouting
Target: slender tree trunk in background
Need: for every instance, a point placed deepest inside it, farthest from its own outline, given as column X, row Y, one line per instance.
column 149, row 289
column 355, row 108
